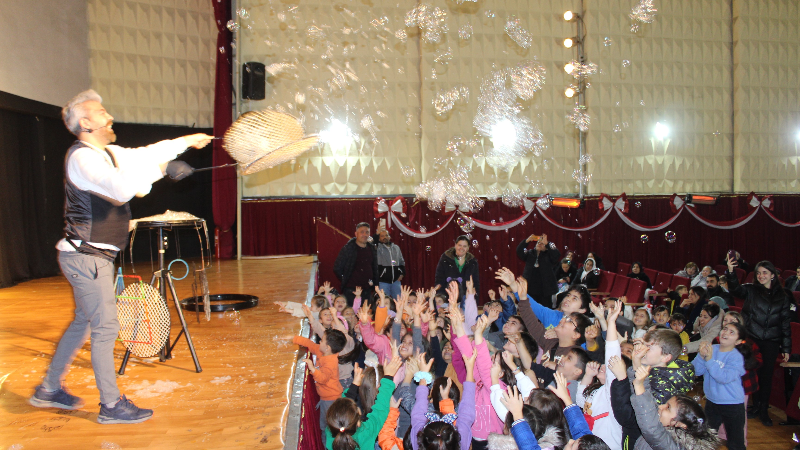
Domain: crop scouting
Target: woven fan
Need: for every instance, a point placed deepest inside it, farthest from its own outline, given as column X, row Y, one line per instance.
column 260, row 140
column 143, row 319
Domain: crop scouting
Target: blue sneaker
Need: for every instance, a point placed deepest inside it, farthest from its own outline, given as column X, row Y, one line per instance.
column 57, row 399
column 123, row 412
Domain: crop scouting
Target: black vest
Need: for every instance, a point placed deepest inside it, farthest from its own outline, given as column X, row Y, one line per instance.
column 90, row 218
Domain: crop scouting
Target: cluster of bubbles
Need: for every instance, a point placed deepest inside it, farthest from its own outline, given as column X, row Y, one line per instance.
column 408, row 171
column 580, row 118
column 585, row 159
column 670, row 237
column 457, row 144
column 461, row 2
column 446, row 99
column 233, row 316
column 466, row 224
column 581, row 179
column 453, row 188
column 544, row 201
column 517, row 33
column 498, row 106
column 493, row 193
column 232, row 26
column 368, row 124
column 513, row 197
column 643, row 12
column 276, row 69
column 432, row 21
column 465, row 32
column 582, row 70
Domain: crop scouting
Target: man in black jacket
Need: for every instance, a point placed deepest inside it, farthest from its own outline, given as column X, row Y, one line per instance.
column 357, row 265
column 540, row 265
column 715, row 290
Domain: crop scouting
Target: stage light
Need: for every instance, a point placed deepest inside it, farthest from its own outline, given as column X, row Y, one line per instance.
column 569, row 92
column 569, row 67
column 569, row 15
column 661, row 131
column 696, row 199
column 337, row 135
column 567, row 202
column 569, row 42
column 504, row 134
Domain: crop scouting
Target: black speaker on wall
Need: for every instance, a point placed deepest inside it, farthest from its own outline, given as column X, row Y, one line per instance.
column 254, row 81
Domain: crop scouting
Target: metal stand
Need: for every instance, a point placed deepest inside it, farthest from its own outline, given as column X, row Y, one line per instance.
column 165, row 280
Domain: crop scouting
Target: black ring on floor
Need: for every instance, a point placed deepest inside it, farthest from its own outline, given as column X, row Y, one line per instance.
column 245, row 302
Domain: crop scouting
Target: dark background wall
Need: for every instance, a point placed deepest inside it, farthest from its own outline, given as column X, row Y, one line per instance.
column 33, row 142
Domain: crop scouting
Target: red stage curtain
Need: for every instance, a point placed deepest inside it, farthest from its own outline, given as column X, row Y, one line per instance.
column 309, row 436
column 275, row 227
column 329, row 241
column 223, row 194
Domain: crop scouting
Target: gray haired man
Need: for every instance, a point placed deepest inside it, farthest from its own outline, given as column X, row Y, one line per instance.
column 100, row 180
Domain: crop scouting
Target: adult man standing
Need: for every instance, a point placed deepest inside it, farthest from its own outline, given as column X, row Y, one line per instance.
column 357, row 265
column 391, row 265
column 715, row 290
column 100, row 179
column 540, row 266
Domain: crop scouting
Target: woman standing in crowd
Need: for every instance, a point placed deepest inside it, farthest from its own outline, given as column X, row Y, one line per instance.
column 459, row 265
column 767, row 313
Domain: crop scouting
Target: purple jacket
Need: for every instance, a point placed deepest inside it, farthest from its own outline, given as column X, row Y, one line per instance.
column 466, row 415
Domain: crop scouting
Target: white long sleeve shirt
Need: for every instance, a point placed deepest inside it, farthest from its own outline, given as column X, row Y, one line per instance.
column 91, row 169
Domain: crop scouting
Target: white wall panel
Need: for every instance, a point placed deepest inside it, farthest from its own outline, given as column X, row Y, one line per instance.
column 154, row 61
column 685, row 70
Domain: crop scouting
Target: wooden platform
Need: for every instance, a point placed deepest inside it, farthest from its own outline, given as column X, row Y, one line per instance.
column 238, row 401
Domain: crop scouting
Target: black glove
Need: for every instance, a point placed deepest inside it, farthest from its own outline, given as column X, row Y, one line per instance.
column 178, row 170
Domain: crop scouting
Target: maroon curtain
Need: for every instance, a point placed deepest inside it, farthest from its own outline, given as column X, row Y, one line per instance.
column 275, row 227
column 223, row 194
column 330, row 241
column 309, row 436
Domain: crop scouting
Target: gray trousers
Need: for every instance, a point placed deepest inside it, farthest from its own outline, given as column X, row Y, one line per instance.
column 92, row 281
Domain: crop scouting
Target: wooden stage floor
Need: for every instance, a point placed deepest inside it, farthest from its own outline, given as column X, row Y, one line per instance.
column 238, row 401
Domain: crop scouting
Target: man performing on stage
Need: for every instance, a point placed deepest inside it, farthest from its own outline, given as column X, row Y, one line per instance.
column 100, row 179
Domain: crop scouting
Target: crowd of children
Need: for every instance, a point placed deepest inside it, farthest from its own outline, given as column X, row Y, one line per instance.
column 429, row 371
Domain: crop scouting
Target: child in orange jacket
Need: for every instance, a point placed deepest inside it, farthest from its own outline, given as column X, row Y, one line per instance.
column 326, row 371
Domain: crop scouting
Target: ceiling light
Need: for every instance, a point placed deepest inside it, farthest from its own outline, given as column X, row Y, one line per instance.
column 569, row 67
column 569, row 42
column 337, row 135
column 569, row 15
column 569, row 92
column 504, row 134
column 661, row 131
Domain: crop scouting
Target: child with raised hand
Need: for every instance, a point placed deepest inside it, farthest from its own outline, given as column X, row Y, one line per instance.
column 678, row 424
column 329, row 320
column 326, row 372
column 486, row 421
column 621, row 392
column 430, row 431
column 669, row 376
column 594, row 391
column 723, row 367
column 568, row 334
column 507, row 369
column 507, row 305
column 576, row 300
column 317, row 303
column 345, row 430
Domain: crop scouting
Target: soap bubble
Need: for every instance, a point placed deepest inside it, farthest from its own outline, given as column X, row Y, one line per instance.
column 465, row 32
column 233, row 26
column 369, row 239
column 626, row 63
column 487, row 237
column 607, row 41
column 475, row 243
column 638, row 204
column 671, row 237
column 428, row 248
column 243, row 13
column 644, row 238
column 408, row 171
column 466, row 224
